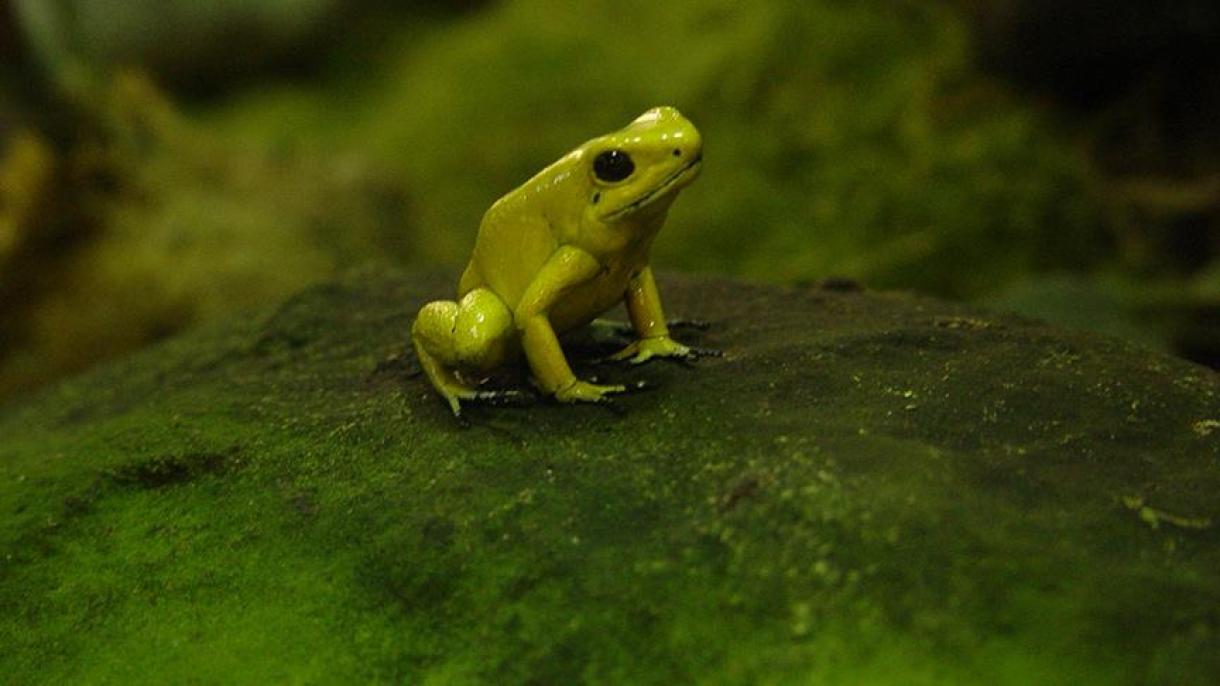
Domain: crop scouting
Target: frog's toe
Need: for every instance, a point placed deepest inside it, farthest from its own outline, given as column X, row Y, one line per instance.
column 619, row 356
column 641, row 357
column 585, row 392
column 638, row 352
column 691, row 354
column 631, row 353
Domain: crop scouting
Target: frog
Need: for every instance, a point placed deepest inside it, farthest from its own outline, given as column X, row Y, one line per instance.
column 555, row 254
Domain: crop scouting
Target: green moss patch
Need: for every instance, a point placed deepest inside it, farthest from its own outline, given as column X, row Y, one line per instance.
column 867, row 488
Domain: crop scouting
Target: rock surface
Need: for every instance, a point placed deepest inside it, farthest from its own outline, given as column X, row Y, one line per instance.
column 867, row 488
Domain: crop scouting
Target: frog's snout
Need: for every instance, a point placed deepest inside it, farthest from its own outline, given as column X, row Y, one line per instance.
column 690, row 159
column 688, row 154
column 687, row 144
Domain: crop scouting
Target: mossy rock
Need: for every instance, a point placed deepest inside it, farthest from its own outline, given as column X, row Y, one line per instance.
column 866, row 488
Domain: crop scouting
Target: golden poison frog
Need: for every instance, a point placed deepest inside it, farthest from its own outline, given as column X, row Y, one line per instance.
column 556, row 253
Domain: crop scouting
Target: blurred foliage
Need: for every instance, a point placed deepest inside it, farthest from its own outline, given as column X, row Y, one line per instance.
column 155, row 223
column 25, row 174
column 1147, row 67
column 1137, row 78
column 1134, row 82
column 852, row 139
column 178, row 40
column 842, row 138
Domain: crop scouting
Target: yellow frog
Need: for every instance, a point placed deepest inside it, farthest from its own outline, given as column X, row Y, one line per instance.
column 558, row 251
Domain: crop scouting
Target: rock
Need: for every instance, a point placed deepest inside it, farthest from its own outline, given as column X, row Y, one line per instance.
column 867, row 488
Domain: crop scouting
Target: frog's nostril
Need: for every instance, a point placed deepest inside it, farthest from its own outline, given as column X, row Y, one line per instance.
column 677, row 152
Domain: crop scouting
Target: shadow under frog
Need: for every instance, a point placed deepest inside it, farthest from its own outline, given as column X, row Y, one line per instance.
column 557, row 252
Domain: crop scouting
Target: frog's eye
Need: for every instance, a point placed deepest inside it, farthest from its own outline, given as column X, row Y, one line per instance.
column 613, row 165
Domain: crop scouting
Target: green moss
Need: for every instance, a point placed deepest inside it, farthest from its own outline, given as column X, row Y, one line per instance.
column 866, row 489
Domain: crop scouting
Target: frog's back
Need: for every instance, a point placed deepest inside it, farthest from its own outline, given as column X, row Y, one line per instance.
column 520, row 231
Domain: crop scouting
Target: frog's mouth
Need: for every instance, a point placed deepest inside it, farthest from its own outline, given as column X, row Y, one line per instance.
column 683, row 172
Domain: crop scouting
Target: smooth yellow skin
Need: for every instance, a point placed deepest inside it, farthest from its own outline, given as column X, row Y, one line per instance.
column 557, row 252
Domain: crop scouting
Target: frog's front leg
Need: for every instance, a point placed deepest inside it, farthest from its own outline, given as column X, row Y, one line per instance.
column 643, row 302
column 566, row 269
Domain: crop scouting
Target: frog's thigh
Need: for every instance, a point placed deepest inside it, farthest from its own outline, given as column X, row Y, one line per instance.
column 432, row 334
column 433, row 330
column 483, row 336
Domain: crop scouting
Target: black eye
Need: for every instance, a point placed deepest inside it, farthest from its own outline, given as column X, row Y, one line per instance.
column 613, row 165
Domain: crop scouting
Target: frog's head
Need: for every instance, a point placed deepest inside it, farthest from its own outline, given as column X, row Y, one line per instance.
column 643, row 165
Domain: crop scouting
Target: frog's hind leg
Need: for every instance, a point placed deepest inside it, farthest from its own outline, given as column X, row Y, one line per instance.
column 432, row 335
column 473, row 334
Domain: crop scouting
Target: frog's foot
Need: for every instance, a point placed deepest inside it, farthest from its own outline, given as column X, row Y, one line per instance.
column 445, row 381
column 451, row 387
column 456, row 393
column 584, row 392
column 646, row 349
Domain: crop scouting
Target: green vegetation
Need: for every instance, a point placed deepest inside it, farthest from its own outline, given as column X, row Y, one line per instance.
column 866, row 489
column 149, row 223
